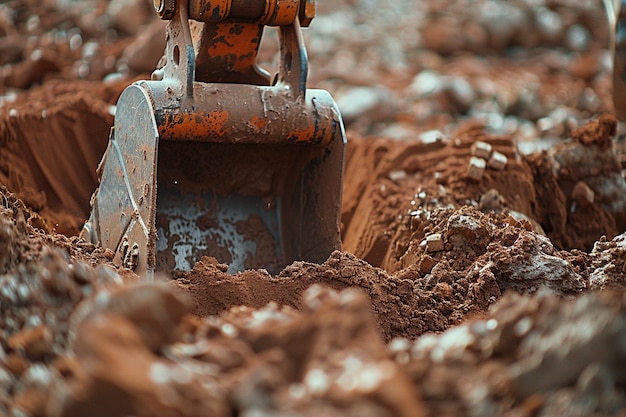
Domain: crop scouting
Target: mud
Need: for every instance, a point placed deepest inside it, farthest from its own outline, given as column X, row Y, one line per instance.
column 483, row 228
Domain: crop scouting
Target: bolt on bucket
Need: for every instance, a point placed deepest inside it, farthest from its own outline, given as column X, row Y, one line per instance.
column 212, row 157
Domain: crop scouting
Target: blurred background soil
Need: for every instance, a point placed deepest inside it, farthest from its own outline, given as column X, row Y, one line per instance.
column 483, row 220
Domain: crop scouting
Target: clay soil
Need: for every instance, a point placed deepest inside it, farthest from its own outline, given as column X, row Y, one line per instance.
column 497, row 292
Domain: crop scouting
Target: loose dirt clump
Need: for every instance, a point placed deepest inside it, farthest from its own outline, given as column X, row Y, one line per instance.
column 599, row 132
column 481, row 256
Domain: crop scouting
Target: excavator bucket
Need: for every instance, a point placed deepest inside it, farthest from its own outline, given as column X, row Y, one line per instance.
column 212, row 157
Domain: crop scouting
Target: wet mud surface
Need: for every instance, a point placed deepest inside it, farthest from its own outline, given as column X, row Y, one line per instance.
column 483, row 264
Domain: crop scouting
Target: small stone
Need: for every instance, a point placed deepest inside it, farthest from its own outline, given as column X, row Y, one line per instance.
column 109, row 254
column 431, row 136
column 155, row 308
column 461, row 92
column 371, row 102
column 548, row 23
column 426, row 264
column 427, row 83
column 36, row 341
column 582, row 194
column 16, row 364
column 578, row 38
column 145, row 51
column 445, row 289
column 397, row 175
column 464, row 231
column 434, row 242
column 491, row 200
column 481, row 149
column 129, row 16
column 476, row 168
column 545, row 123
column 497, row 161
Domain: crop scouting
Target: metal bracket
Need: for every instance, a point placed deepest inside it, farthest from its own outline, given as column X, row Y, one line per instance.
column 228, row 46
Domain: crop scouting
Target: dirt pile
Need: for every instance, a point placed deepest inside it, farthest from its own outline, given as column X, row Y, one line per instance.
column 515, row 357
column 52, row 140
column 483, row 256
column 129, row 349
column 573, row 193
column 272, row 361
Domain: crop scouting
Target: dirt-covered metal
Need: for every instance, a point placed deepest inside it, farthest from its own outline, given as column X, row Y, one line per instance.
column 213, row 157
column 616, row 9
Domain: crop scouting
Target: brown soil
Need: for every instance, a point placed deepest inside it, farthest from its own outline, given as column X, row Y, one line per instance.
column 460, row 290
column 52, row 138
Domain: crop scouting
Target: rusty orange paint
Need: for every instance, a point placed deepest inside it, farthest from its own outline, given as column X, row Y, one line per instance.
column 238, row 41
column 280, row 12
column 193, row 125
column 205, row 11
column 258, row 123
column 309, row 134
column 286, row 14
column 309, row 9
